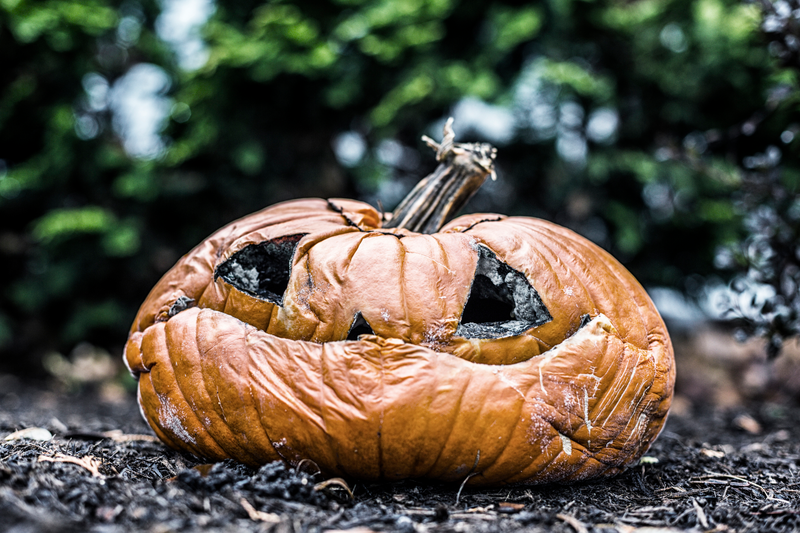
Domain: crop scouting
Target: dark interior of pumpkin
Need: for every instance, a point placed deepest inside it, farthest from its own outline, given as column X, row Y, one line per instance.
column 501, row 302
column 261, row 270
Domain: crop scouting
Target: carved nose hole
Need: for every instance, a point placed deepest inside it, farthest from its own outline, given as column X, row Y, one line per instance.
column 359, row 327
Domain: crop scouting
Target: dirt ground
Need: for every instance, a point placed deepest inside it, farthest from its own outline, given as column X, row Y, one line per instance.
column 712, row 469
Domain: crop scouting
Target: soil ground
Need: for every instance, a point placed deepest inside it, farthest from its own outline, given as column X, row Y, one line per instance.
column 711, row 469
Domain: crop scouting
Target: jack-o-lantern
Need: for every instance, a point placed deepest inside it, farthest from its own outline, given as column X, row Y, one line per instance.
column 503, row 349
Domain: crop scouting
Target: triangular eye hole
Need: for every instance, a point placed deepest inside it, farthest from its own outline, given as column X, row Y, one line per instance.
column 261, row 270
column 501, row 302
column 359, row 327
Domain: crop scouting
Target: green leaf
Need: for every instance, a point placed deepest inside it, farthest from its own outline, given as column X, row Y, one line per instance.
column 577, row 77
column 61, row 223
column 515, row 26
column 122, row 240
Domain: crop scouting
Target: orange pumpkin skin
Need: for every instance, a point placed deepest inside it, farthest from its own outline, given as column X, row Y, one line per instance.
column 581, row 395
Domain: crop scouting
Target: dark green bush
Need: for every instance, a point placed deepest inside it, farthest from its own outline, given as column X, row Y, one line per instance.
column 631, row 122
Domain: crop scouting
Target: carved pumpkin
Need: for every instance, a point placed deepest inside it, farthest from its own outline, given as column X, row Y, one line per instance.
column 506, row 349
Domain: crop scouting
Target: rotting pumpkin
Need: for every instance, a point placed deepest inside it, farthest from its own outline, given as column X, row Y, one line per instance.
column 499, row 349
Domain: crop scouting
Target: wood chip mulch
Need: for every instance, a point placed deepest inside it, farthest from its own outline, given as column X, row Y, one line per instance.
column 102, row 471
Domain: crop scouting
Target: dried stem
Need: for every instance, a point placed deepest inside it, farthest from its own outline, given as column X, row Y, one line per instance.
column 463, row 168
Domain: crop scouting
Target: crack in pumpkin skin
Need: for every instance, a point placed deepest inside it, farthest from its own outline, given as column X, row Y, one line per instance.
column 598, row 387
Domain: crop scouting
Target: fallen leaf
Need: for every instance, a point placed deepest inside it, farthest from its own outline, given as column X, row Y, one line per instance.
column 39, row 434
column 747, row 423
column 716, row 454
column 259, row 516
column 510, row 507
column 576, row 524
column 333, row 483
column 118, row 436
column 92, row 464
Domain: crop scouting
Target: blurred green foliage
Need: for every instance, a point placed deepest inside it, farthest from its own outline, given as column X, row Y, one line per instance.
column 631, row 122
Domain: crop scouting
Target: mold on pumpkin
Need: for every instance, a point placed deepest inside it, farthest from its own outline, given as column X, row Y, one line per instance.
column 506, row 343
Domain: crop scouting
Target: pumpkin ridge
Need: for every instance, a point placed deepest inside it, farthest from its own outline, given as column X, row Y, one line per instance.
column 507, row 435
column 542, row 463
column 636, row 408
column 446, row 264
column 402, row 280
column 340, row 210
column 197, row 370
column 382, row 414
column 144, row 389
column 624, row 278
column 230, row 435
column 588, row 249
column 632, row 289
column 601, row 406
column 423, row 461
column 453, row 420
column 323, row 387
column 498, row 219
column 559, row 473
column 254, row 405
column 352, row 253
column 168, row 409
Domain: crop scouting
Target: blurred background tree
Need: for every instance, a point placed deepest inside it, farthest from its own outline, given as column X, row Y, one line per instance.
column 130, row 130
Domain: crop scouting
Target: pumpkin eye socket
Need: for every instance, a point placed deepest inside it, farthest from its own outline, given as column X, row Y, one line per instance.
column 261, row 270
column 501, row 302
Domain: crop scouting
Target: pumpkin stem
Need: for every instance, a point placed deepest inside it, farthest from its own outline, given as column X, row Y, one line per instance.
column 463, row 168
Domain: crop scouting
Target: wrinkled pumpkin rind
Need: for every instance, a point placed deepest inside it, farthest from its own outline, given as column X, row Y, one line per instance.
column 380, row 408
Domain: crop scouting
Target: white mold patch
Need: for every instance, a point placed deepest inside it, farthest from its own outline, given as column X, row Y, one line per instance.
column 537, row 429
column 586, row 419
column 569, row 400
column 566, row 444
column 435, row 337
column 168, row 416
